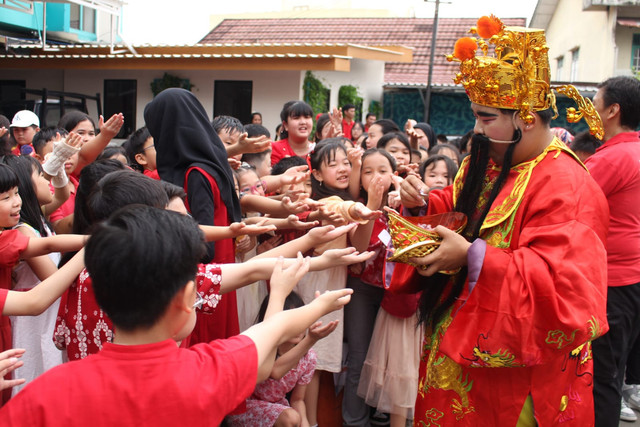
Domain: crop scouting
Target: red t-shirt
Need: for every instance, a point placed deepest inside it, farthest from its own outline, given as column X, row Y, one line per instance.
column 614, row 167
column 82, row 328
column 281, row 149
column 69, row 205
column 12, row 244
column 152, row 174
column 155, row 384
column 346, row 128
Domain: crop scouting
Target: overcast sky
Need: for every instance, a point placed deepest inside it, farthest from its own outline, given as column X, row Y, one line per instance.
column 160, row 22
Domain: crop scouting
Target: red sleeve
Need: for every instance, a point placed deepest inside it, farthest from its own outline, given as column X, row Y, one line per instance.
column 234, row 371
column 3, row 298
column 12, row 244
column 208, row 280
column 546, row 293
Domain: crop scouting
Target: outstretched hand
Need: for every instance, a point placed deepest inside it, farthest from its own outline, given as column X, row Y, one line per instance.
column 283, row 280
column 327, row 233
column 346, row 256
column 317, row 331
column 333, row 300
column 9, row 361
column 111, row 127
column 253, row 145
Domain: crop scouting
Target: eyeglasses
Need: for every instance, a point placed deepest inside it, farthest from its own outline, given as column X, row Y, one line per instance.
column 199, row 301
column 254, row 188
column 146, row 148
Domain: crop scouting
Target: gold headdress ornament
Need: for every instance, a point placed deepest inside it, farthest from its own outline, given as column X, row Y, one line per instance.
column 518, row 76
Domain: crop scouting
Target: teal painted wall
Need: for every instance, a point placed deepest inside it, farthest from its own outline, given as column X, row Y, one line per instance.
column 58, row 19
column 29, row 21
column 451, row 112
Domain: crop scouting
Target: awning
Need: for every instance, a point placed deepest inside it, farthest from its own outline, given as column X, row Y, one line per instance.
column 629, row 22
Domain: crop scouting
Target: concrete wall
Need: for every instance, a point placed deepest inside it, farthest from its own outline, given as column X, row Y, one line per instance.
column 367, row 76
column 271, row 89
column 624, row 40
column 591, row 32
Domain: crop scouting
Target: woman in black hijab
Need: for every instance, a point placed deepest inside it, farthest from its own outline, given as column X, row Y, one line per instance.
column 191, row 155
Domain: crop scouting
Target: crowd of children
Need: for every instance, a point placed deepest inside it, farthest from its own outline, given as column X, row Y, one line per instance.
column 174, row 316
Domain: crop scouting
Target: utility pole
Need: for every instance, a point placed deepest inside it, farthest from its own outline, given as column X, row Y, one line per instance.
column 434, row 35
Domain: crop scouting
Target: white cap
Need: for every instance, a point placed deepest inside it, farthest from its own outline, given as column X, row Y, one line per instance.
column 25, row 118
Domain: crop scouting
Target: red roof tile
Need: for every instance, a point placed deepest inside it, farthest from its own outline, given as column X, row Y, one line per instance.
column 411, row 32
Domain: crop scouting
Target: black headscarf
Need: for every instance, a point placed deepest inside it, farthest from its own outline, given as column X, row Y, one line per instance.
column 428, row 130
column 184, row 138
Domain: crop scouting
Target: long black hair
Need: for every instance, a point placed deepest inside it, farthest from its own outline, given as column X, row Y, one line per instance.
column 324, row 152
column 438, row 295
column 30, row 212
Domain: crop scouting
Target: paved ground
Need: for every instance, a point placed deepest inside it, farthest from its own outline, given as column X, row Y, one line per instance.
column 633, row 424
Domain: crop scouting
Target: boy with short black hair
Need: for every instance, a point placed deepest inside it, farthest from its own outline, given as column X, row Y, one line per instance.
column 143, row 378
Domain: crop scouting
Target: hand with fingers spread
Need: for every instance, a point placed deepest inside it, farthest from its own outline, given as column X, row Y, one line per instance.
column 330, row 217
column 111, row 127
column 338, row 257
column 63, row 149
column 327, row 233
column 253, row 145
column 251, row 229
column 294, row 207
column 296, row 224
column 9, row 361
column 450, row 255
column 283, row 280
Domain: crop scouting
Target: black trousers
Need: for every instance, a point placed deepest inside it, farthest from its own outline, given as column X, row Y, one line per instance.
column 611, row 351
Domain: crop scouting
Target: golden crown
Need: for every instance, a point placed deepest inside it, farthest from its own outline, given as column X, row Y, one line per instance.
column 518, row 76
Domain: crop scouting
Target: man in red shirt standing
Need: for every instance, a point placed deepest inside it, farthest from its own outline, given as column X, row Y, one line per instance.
column 349, row 114
column 615, row 168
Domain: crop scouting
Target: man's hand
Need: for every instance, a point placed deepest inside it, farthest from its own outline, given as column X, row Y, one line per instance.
column 410, row 192
column 450, row 255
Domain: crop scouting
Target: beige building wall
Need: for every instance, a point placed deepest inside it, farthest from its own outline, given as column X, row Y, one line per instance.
column 591, row 32
column 271, row 89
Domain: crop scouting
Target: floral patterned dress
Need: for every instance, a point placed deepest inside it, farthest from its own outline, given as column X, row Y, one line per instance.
column 82, row 327
column 269, row 397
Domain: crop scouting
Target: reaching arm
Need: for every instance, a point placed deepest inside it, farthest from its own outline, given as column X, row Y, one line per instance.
column 235, row 276
column 214, row 232
column 62, row 243
column 92, row 149
column 38, row 299
column 313, row 238
column 42, row 265
column 278, row 326
column 283, row 326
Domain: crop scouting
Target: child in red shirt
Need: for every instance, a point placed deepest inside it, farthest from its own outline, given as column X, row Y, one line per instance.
column 142, row 377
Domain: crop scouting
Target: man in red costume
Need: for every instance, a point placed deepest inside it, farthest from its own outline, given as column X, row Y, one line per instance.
column 508, row 335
